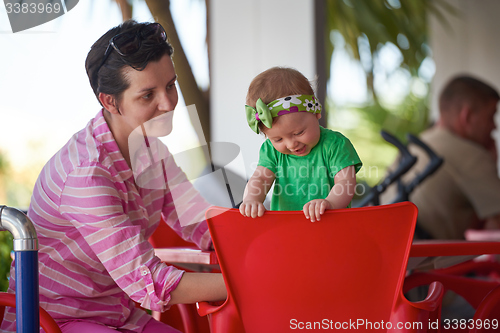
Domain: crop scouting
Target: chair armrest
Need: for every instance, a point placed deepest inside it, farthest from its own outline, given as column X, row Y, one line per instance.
column 433, row 299
column 223, row 318
column 422, row 311
column 7, row 299
column 46, row 321
column 205, row 308
column 488, row 308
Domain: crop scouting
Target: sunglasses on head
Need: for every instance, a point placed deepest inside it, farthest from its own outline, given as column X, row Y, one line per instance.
column 128, row 43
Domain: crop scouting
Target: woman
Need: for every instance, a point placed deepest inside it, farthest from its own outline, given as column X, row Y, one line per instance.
column 94, row 217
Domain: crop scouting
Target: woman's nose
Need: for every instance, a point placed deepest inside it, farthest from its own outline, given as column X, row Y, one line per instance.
column 167, row 102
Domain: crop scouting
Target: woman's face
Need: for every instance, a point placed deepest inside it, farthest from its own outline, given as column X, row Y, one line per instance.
column 150, row 98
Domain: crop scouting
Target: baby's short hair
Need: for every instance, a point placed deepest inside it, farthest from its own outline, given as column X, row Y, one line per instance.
column 277, row 82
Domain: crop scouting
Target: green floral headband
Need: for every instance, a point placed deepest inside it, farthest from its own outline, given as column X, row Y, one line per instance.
column 266, row 113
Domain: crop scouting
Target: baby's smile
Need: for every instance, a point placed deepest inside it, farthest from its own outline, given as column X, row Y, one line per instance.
column 300, row 151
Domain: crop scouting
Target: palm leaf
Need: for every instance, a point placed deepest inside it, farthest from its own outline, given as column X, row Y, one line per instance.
column 380, row 23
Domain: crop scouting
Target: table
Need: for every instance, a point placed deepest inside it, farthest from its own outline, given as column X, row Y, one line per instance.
column 187, row 255
column 189, row 258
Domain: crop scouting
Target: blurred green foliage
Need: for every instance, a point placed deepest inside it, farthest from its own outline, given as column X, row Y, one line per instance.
column 5, row 236
column 5, row 259
column 402, row 23
column 366, row 27
column 362, row 125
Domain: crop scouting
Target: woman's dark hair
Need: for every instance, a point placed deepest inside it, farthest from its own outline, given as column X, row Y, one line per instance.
column 110, row 78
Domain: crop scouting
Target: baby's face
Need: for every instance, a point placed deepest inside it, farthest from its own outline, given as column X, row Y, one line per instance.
column 295, row 133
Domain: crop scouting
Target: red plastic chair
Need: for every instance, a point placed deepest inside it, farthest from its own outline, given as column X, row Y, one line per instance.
column 284, row 272
column 46, row 321
column 488, row 313
column 183, row 317
column 481, row 291
column 472, row 290
column 164, row 236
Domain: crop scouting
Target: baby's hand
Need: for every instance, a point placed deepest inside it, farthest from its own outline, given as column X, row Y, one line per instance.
column 315, row 208
column 252, row 209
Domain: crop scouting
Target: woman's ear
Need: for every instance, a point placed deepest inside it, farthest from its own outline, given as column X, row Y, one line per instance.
column 109, row 103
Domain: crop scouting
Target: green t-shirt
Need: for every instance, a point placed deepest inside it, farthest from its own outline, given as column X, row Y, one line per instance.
column 300, row 179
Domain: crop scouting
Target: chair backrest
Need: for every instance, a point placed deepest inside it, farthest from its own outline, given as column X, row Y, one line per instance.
column 284, row 271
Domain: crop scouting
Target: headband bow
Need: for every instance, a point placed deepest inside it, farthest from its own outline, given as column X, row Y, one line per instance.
column 266, row 113
column 260, row 112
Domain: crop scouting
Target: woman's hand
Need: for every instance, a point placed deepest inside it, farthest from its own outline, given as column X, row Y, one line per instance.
column 315, row 208
column 252, row 209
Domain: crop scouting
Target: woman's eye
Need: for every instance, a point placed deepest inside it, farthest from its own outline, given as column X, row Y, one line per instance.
column 147, row 96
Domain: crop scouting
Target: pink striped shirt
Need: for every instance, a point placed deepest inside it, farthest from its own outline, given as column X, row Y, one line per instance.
column 93, row 225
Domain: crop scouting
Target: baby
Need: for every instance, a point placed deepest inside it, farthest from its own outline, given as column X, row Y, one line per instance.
column 312, row 168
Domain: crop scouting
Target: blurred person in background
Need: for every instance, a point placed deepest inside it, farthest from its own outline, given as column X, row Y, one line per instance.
column 464, row 192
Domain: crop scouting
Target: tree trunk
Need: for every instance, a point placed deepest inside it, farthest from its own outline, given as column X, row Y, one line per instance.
column 160, row 9
column 321, row 60
column 125, row 8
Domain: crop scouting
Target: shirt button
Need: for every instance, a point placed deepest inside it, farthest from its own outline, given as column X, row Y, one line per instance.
column 144, row 273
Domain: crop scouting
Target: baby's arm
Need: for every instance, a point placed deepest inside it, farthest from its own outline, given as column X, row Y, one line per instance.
column 339, row 197
column 256, row 191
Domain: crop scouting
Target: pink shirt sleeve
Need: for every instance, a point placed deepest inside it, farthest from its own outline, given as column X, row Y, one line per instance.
column 185, row 208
